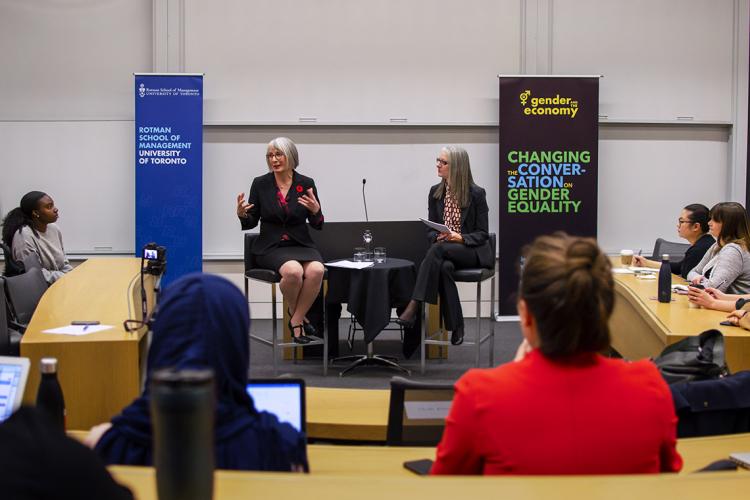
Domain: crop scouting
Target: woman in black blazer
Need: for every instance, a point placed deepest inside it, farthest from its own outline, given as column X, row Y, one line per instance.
column 284, row 201
column 462, row 206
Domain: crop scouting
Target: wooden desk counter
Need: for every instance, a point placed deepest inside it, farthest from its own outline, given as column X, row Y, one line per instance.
column 347, row 414
column 100, row 373
column 642, row 327
column 366, row 472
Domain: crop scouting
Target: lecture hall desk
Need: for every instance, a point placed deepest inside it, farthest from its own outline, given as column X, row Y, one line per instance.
column 641, row 327
column 369, row 472
column 100, row 373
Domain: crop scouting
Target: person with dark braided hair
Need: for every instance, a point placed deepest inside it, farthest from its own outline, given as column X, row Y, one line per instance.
column 30, row 229
column 561, row 407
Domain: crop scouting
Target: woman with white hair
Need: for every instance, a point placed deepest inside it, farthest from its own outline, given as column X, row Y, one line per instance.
column 284, row 202
column 462, row 206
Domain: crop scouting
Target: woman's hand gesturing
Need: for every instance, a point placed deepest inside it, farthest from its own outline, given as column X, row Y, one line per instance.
column 309, row 201
column 243, row 207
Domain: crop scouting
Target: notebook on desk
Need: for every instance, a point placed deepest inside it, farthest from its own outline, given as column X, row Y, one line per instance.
column 284, row 397
column 13, row 375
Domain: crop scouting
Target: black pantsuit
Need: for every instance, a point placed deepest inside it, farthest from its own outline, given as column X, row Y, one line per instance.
column 435, row 273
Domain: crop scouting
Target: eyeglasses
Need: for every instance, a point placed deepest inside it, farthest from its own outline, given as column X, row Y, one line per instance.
column 684, row 221
column 275, row 155
column 441, row 161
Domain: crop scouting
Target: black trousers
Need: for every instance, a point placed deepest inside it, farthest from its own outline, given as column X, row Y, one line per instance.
column 436, row 278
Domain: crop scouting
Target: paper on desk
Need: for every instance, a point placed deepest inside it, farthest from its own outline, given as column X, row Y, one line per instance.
column 645, row 269
column 436, row 226
column 78, row 329
column 622, row 270
column 348, row 264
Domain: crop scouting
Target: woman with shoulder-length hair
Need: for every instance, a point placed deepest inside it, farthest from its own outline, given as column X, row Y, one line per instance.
column 726, row 265
column 561, row 407
column 461, row 205
column 284, row 202
column 30, row 229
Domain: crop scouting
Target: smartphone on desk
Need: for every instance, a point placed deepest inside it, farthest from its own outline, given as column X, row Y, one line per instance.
column 419, row 467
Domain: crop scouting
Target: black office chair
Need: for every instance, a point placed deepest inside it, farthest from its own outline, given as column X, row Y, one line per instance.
column 24, row 293
column 478, row 276
column 272, row 278
column 12, row 266
column 10, row 338
column 417, row 411
column 675, row 250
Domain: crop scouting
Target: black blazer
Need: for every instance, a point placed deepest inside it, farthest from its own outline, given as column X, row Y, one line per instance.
column 474, row 223
column 273, row 220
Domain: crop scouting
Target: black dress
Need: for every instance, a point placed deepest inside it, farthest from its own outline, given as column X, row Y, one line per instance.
column 283, row 222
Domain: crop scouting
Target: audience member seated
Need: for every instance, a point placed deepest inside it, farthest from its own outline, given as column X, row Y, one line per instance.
column 203, row 321
column 712, row 298
column 561, row 407
column 726, row 265
column 39, row 462
column 30, row 229
column 692, row 225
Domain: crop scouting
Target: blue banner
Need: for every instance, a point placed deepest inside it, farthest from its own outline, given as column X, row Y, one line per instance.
column 169, row 169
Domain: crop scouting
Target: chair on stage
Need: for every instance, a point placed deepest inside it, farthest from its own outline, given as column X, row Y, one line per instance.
column 478, row 276
column 675, row 250
column 272, row 278
column 417, row 412
column 24, row 293
column 10, row 338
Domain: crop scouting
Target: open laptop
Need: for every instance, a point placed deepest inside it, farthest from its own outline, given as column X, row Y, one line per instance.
column 13, row 375
column 284, row 397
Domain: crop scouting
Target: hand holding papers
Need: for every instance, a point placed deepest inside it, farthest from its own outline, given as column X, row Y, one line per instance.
column 442, row 228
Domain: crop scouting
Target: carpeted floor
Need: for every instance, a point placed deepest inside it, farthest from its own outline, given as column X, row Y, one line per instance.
column 460, row 359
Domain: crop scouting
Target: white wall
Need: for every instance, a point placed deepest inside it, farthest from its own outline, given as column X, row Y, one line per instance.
column 674, row 94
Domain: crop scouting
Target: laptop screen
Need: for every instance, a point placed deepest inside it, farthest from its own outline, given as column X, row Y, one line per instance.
column 285, row 398
column 13, row 373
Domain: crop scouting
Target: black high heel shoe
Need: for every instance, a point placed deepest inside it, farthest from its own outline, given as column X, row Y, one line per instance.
column 310, row 330
column 407, row 323
column 302, row 338
column 457, row 336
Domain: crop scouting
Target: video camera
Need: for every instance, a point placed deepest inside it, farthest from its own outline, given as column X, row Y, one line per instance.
column 155, row 257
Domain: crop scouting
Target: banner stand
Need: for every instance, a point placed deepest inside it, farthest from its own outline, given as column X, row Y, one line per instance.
column 548, row 139
column 169, row 168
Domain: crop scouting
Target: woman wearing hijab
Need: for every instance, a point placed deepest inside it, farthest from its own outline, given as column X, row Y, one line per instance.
column 30, row 229
column 203, row 321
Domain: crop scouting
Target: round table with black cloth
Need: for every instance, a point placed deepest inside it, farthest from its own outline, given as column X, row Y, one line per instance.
column 370, row 293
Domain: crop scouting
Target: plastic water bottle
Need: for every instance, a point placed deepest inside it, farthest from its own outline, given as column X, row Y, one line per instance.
column 182, row 415
column 665, row 280
column 49, row 396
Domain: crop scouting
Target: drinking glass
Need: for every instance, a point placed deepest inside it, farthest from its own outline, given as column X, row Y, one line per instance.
column 359, row 254
column 380, row 255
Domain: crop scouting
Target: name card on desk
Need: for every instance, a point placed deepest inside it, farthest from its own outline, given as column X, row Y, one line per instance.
column 427, row 410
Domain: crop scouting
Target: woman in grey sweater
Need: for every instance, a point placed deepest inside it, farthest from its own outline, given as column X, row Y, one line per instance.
column 726, row 265
column 30, row 229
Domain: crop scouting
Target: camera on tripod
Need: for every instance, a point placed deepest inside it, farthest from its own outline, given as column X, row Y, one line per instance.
column 155, row 257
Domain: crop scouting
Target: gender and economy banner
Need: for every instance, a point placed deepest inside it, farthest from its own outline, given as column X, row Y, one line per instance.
column 169, row 168
column 548, row 166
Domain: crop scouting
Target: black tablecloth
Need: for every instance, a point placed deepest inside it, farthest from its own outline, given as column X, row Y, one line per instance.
column 370, row 293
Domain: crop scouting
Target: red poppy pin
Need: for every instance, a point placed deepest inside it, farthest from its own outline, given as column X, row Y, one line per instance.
column 299, row 188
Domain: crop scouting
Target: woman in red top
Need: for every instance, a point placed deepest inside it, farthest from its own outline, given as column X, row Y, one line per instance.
column 561, row 407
